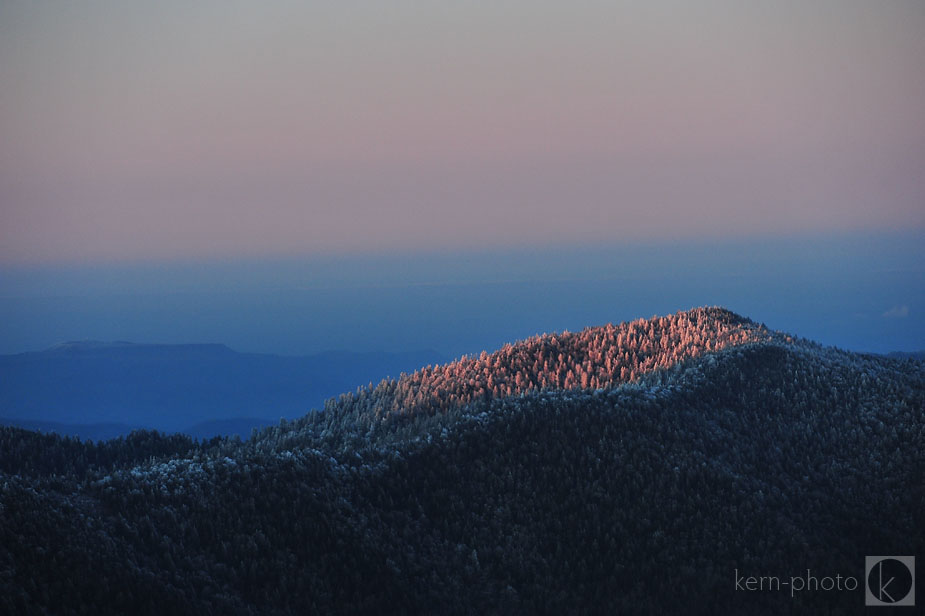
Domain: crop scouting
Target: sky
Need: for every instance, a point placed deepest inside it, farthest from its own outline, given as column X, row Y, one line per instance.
column 859, row 292
column 297, row 176
column 170, row 130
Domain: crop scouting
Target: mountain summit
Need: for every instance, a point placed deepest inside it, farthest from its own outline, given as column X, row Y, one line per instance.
column 594, row 358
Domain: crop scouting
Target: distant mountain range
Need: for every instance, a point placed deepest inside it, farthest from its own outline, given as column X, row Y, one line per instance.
column 907, row 354
column 101, row 390
column 637, row 468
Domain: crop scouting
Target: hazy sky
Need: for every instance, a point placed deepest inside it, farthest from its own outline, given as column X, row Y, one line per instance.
column 174, row 129
column 859, row 292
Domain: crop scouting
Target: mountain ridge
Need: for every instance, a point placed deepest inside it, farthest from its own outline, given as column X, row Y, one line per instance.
column 765, row 456
column 594, row 358
column 101, row 346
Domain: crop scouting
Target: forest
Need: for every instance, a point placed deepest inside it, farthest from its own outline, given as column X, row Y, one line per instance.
column 628, row 468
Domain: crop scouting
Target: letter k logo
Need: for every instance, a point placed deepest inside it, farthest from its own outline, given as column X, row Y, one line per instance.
column 882, row 585
column 890, row 581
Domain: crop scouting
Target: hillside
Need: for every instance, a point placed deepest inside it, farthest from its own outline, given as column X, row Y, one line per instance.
column 641, row 489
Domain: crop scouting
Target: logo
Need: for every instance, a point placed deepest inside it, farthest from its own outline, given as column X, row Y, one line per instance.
column 890, row 580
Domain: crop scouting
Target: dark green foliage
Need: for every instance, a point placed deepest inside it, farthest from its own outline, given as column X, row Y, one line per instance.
column 769, row 457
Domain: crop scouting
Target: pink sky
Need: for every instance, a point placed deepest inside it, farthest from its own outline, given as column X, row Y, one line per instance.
column 230, row 129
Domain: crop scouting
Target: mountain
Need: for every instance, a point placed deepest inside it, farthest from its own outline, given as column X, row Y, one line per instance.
column 597, row 357
column 920, row 355
column 99, row 390
column 710, row 448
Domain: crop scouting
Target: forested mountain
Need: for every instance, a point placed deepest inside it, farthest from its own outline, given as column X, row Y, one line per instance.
column 624, row 469
column 594, row 358
column 99, row 390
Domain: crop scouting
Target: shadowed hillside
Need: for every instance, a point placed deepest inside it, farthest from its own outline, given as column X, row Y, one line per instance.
column 728, row 448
